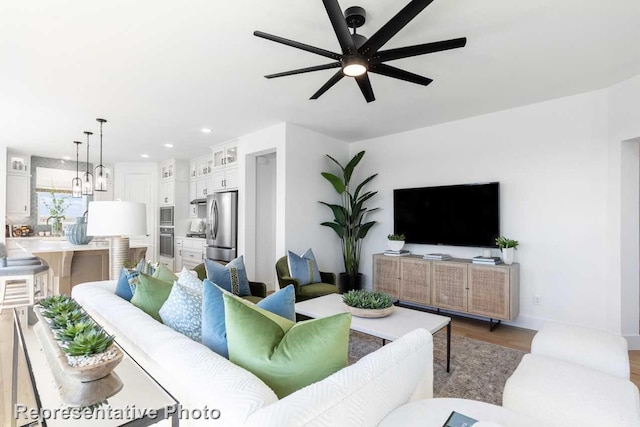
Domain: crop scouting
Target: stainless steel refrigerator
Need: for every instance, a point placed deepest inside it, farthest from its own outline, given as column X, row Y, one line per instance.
column 222, row 225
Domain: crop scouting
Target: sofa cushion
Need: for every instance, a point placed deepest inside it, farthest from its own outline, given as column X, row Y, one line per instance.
column 133, row 273
column 303, row 268
column 123, row 290
column 183, row 310
column 214, row 331
column 314, row 290
column 231, row 277
column 361, row 394
column 163, row 273
column 150, row 294
column 285, row 355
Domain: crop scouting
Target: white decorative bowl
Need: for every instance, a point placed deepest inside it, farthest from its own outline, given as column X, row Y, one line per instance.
column 395, row 245
column 370, row 313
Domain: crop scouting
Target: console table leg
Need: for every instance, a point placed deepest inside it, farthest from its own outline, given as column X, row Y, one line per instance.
column 493, row 325
column 448, row 346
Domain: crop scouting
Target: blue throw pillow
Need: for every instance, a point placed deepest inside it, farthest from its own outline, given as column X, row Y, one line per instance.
column 231, row 277
column 214, row 331
column 183, row 310
column 303, row 268
column 123, row 290
column 132, row 274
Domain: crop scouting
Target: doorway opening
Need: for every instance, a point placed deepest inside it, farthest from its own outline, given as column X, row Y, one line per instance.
column 265, row 215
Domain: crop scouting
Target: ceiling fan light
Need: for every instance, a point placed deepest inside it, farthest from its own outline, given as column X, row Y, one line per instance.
column 354, row 65
column 354, row 70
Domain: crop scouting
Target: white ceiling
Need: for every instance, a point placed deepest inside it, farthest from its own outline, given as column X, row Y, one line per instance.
column 161, row 70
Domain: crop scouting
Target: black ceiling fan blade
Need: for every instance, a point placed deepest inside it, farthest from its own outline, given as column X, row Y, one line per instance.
column 298, row 45
column 392, row 27
column 365, row 87
column 304, row 70
column 328, row 85
column 397, row 73
column 420, row 49
column 340, row 26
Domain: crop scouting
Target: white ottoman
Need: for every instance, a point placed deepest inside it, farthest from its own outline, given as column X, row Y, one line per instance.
column 591, row 348
column 434, row 413
column 563, row 394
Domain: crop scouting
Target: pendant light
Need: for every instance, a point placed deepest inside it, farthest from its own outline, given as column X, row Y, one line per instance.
column 101, row 172
column 76, row 183
column 87, row 179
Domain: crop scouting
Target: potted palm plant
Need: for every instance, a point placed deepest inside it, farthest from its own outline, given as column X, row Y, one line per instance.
column 349, row 219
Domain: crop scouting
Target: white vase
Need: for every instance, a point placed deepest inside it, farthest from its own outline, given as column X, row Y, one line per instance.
column 507, row 255
column 395, row 245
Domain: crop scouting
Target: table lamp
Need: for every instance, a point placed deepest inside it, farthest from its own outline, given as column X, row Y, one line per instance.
column 117, row 220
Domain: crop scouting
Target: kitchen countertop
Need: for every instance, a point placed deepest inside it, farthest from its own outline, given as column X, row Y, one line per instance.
column 36, row 245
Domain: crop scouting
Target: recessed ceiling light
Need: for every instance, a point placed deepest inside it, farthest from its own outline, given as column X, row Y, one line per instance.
column 168, row 145
column 66, row 158
column 146, row 156
column 205, row 130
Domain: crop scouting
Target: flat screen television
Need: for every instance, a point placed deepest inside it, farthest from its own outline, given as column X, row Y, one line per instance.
column 455, row 215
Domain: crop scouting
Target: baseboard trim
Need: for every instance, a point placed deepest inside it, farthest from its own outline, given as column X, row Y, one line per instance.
column 634, row 341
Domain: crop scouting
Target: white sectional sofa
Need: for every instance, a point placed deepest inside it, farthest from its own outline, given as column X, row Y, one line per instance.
column 359, row 395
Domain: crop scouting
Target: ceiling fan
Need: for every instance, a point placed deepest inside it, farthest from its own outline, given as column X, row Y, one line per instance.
column 360, row 55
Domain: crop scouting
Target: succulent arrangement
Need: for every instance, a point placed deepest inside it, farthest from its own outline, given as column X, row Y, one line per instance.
column 367, row 300
column 89, row 343
column 76, row 333
column 399, row 237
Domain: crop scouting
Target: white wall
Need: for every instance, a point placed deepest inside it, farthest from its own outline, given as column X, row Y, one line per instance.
column 306, row 160
column 130, row 178
column 266, row 170
column 551, row 162
column 623, row 299
column 267, row 141
column 3, row 188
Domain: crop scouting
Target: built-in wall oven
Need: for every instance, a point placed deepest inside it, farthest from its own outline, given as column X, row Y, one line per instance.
column 166, row 216
column 166, row 242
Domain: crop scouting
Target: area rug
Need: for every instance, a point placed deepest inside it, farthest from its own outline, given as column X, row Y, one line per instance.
column 479, row 369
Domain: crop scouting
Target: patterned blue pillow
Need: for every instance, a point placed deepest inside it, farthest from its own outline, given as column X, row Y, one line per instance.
column 214, row 330
column 123, row 290
column 132, row 274
column 303, row 268
column 231, row 277
column 183, row 309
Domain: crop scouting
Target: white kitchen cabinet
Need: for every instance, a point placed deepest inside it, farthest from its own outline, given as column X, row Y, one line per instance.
column 205, row 166
column 18, row 195
column 193, row 190
column 225, row 180
column 193, row 211
column 18, row 164
column 168, row 170
column 203, row 188
column 193, row 169
column 168, row 262
column 189, row 253
column 167, row 192
column 225, row 155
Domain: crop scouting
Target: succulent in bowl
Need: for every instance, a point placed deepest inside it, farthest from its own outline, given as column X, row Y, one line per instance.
column 69, row 332
column 89, row 343
column 367, row 300
column 65, row 318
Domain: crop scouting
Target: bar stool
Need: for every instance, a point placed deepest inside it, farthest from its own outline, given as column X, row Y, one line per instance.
column 22, row 280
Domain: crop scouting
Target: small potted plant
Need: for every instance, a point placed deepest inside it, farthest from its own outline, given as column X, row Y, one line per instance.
column 508, row 248
column 395, row 242
column 368, row 304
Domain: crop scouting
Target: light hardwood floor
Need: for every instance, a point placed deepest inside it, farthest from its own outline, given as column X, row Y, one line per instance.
column 507, row 336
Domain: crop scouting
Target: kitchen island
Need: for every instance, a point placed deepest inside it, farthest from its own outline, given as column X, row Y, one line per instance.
column 71, row 264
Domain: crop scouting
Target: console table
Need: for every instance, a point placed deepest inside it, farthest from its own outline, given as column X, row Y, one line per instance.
column 128, row 396
column 456, row 285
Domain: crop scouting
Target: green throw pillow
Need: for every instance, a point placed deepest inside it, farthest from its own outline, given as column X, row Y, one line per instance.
column 285, row 355
column 151, row 293
column 163, row 273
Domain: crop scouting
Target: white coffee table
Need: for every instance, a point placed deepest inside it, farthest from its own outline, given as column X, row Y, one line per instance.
column 390, row 328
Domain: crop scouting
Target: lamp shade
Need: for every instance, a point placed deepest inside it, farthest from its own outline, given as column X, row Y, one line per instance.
column 117, row 219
